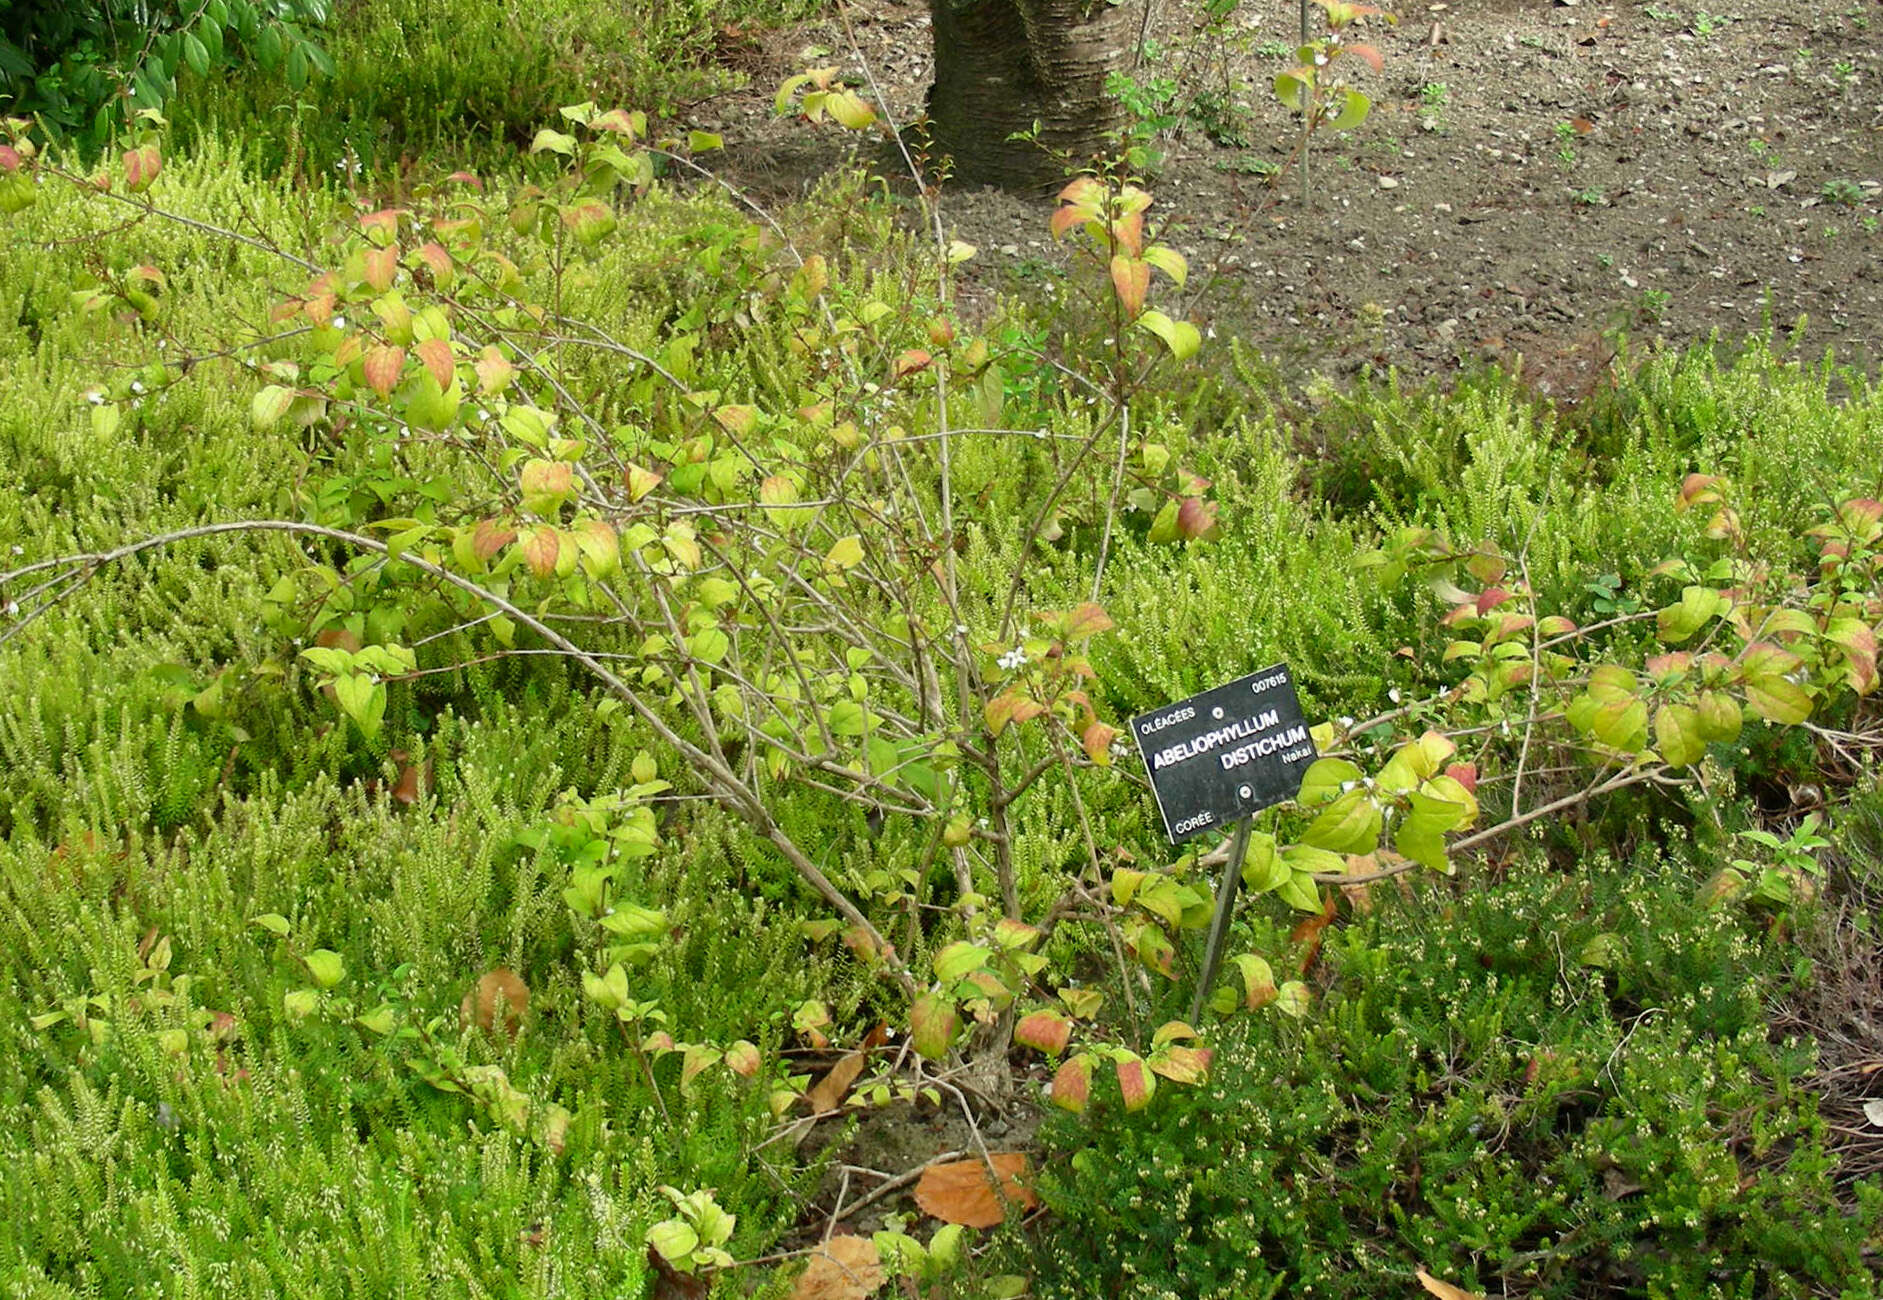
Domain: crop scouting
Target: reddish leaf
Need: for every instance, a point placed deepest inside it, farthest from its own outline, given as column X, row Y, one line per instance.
column 493, row 372
column 1697, row 489
column 961, row 1191
column 1182, row 1064
column 1465, row 774
column 1309, row 931
column 141, row 166
column 1096, row 740
column 381, row 227
column 742, row 1059
column 490, row 537
column 932, row 1024
column 10, row 160
column 1444, row 1290
column 383, row 366
column 1196, row 517
column 1010, row 707
column 550, row 478
column 1086, row 620
column 1066, row 218
column 1046, row 1031
column 910, row 362
column 438, row 262
column 414, row 780
column 1131, row 278
column 436, row 354
column 542, row 551
column 1135, row 1081
column 1128, row 231
column 380, row 266
column 1368, row 55
column 1072, row 1084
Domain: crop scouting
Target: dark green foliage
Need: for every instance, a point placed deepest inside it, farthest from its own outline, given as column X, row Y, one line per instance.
column 82, row 66
column 1560, row 1086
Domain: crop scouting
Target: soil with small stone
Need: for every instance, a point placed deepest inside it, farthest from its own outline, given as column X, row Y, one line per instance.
column 1535, row 176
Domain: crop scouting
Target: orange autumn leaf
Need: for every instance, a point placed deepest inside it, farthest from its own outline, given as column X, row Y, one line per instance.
column 961, row 1192
column 843, row 1268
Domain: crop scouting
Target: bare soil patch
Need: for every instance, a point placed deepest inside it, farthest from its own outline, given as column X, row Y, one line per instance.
column 1535, row 176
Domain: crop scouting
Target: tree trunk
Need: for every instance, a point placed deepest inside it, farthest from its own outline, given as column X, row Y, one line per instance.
column 1003, row 65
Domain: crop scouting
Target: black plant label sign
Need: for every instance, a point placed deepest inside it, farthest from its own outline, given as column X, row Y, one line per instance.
column 1226, row 754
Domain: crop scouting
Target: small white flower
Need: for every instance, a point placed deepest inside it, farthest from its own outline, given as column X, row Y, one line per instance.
column 961, row 629
column 1393, row 695
column 13, row 607
column 1014, row 658
column 339, row 322
column 137, row 386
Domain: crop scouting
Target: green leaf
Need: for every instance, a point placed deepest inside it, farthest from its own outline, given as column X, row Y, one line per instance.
column 326, row 966
column 196, row 54
column 271, row 921
column 1611, row 710
column 1323, row 780
column 1720, row 717
column 847, row 718
column 1291, row 88
column 1169, row 261
column 362, row 699
column 1350, row 824
column 1181, row 337
column 1353, row 111
column 1263, row 870
column 958, row 959
column 267, row 407
column 1696, row 607
column 1416, row 762
column 1258, row 980
column 1678, row 735
column 845, row 553
column 1301, row 892
column 675, row 1240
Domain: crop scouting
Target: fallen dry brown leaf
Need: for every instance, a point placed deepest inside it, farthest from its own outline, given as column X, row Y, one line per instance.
column 961, row 1192
column 1445, row 1290
column 828, row 1092
column 843, row 1268
column 498, row 1000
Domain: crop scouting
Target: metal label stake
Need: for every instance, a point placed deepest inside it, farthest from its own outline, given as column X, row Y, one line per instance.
column 1215, row 760
column 1219, row 923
